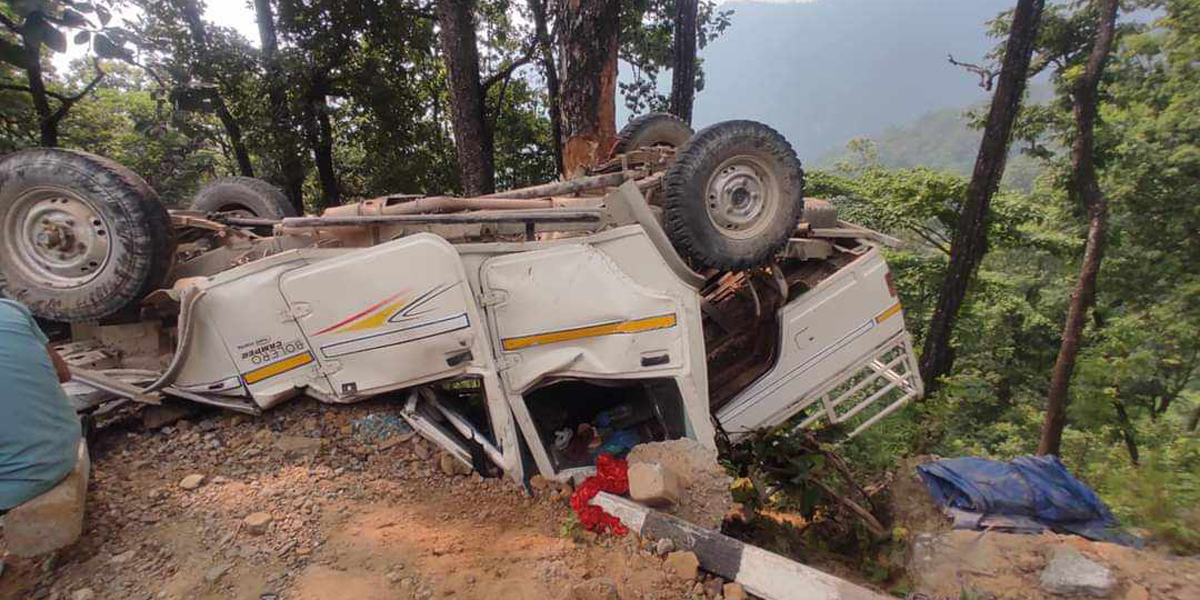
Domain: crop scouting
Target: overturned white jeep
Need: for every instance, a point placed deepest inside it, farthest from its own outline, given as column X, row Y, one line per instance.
column 683, row 288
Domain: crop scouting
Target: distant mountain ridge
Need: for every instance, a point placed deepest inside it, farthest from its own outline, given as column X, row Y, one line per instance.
column 942, row 139
column 830, row 71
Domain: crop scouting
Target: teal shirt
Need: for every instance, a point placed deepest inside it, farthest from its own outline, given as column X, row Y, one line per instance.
column 39, row 430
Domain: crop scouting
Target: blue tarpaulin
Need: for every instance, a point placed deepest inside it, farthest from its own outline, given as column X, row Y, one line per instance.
column 1031, row 493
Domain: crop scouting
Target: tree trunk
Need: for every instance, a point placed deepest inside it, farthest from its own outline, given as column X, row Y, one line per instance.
column 473, row 141
column 589, row 82
column 31, row 55
column 1127, row 431
column 550, row 71
column 970, row 236
column 1085, row 186
column 234, row 131
column 319, row 130
column 683, row 73
column 291, row 165
column 191, row 14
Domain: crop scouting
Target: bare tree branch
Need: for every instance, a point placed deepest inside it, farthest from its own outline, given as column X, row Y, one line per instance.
column 10, row 24
column 986, row 76
column 16, row 88
column 872, row 524
column 66, row 102
column 507, row 71
column 925, row 234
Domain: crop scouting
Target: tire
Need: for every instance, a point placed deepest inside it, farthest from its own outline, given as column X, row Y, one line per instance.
column 82, row 238
column 820, row 214
column 733, row 196
column 654, row 129
column 243, row 194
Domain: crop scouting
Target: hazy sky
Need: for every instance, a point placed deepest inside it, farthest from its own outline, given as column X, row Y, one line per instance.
column 229, row 13
column 238, row 15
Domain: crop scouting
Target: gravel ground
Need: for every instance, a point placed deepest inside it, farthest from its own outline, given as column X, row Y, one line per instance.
column 298, row 505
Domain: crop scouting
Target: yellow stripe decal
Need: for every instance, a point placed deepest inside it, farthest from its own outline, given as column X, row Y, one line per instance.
column 276, row 368
column 887, row 314
column 635, row 326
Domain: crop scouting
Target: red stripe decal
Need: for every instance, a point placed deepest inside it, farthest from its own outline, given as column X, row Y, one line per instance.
column 361, row 314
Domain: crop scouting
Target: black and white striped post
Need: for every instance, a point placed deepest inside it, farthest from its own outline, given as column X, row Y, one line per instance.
column 764, row 574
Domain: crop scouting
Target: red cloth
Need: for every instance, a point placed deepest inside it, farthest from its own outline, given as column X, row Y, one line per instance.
column 612, row 476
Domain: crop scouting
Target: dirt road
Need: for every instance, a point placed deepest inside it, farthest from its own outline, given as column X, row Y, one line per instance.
column 345, row 517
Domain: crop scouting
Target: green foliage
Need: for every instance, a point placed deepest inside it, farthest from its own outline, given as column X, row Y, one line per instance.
column 571, row 528
column 1136, row 388
column 647, row 46
column 125, row 121
column 524, row 152
column 796, row 472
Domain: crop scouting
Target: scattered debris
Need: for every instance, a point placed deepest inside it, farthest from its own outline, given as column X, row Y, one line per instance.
column 192, row 482
column 1001, row 565
column 653, row 484
column 215, row 573
column 453, row 467
column 298, row 445
column 342, row 520
column 1070, row 572
column 734, row 591
column 765, row 574
column 379, row 427
column 1137, row 592
column 664, row 546
column 155, row 417
column 683, row 565
column 256, row 523
column 122, row 558
column 703, row 486
column 593, row 589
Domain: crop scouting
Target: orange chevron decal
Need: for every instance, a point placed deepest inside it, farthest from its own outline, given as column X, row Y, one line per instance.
column 375, row 315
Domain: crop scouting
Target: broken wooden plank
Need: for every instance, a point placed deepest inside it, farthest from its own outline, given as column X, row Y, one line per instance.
column 762, row 573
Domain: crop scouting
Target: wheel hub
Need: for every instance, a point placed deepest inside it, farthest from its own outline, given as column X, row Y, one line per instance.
column 55, row 236
column 739, row 197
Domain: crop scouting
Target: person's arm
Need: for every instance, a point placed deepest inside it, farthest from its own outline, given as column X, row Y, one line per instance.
column 60, row 365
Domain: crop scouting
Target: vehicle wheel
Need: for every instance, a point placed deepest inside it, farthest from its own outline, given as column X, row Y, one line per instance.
column 81, row 237
column 820, row 214
column 246, row 195
column 733, row 196
column 654, row 129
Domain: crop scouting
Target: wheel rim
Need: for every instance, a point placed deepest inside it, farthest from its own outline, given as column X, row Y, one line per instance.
column 742, row 197
column 56, row 237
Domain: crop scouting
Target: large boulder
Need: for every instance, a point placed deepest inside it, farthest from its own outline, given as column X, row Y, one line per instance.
column 54, row 519
column 1071, row 573
column 703, row 486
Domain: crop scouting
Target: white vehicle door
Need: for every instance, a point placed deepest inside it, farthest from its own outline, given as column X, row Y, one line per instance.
column 386, row 317
column 843, row 349
column 570, row 311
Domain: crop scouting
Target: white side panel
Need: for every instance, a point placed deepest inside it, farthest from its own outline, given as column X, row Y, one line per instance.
column 824, row 334
column 571, row 311
column 243, row 330
column 389, row 316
